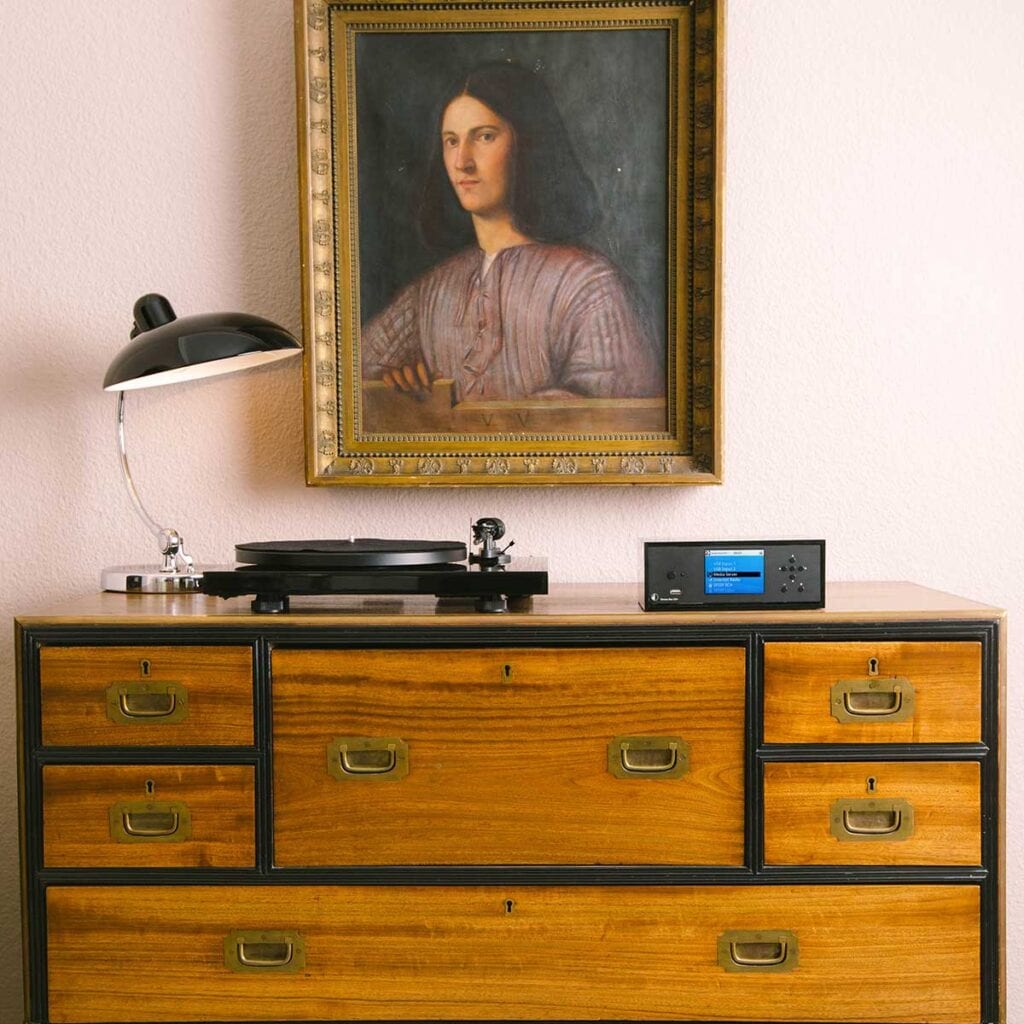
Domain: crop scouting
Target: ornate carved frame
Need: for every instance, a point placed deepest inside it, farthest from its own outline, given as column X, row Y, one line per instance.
column 338, row 451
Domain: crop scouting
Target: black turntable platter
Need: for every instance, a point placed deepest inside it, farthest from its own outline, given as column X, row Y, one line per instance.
column 354, row 553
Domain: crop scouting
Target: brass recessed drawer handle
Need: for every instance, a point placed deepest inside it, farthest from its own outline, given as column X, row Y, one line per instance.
column 758, row 954
column 149, row 822
column 271, row 951
column 766, row 951
column 361, row 757
column 652, row 757
column 866, row 823
column 651, row 761
column 872, row 700
column 147, row 703
column 882, row 820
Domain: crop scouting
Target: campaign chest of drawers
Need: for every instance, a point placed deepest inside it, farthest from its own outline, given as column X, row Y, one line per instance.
column 387, row 810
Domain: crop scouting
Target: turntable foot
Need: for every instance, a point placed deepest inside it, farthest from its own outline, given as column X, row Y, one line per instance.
column 491, row 603
column 270, row 603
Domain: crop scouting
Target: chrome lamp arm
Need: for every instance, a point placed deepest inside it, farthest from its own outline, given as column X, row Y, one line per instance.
column 166, row 350
column 174, row 558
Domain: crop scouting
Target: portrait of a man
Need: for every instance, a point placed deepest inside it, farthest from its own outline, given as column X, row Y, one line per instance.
column 513, row 234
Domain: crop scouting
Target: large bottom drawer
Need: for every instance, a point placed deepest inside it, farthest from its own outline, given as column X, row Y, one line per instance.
column 778, row 953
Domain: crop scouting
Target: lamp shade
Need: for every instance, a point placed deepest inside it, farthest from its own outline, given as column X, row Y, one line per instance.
column 167, row 350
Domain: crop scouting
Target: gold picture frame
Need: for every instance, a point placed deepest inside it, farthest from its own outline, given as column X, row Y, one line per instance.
column 585, row 359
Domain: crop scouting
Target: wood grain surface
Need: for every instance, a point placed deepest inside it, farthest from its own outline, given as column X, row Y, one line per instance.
column 946, row 677
column 74, row 681
column 567, row 603
column 866, row 953
column 946, row 801
column 508, row 756
column 77, row 800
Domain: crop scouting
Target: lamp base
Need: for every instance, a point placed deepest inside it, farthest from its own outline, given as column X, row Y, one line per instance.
column 147, row 579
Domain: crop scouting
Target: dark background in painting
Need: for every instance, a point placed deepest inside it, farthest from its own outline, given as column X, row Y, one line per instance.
column 611, row 88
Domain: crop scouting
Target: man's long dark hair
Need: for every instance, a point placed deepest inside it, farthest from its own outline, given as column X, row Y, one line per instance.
column 551, row 198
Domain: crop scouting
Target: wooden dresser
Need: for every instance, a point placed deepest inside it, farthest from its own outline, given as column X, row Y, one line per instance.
column 386, row 810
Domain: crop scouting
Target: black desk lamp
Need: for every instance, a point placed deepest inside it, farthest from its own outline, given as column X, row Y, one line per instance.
column 166, row 350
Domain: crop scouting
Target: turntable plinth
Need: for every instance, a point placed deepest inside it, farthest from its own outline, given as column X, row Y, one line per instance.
column 274, row 572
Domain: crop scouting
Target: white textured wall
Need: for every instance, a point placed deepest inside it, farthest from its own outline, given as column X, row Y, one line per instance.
column 873, row 283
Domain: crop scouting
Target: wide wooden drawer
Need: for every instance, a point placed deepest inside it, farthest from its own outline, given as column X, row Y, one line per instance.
column 508, row 756
column 148, row 816
column 873, row 813
column 146, row 696
column 778, row 953
column 868, row 692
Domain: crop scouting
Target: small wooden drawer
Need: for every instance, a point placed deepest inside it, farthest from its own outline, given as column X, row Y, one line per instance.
column 509, row 756
column 146, row 696
column 879, row 812
column 148, row 816
column 304, row 953
column 868, row 692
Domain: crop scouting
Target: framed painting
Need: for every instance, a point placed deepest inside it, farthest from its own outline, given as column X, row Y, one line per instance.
column 510, row 241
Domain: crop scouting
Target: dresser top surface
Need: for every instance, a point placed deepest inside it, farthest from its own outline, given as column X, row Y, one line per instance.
column 611, row 603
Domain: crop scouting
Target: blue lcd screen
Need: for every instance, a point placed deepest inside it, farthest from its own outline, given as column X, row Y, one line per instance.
column 734, row 572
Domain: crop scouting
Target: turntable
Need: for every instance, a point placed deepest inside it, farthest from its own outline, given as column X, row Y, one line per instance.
column 274, row 571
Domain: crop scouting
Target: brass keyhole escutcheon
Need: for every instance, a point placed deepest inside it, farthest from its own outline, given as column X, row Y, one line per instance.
column 144, row 668
column 872, row 666
column 872, row 784
column 150, row 787
column 506, row 673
